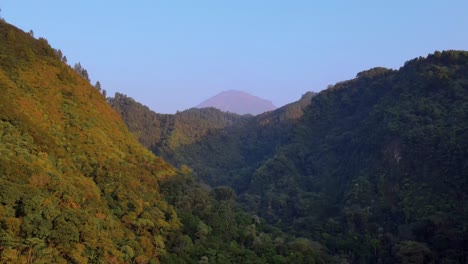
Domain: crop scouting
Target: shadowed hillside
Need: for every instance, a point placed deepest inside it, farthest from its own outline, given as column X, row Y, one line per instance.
column 215, row 144
column 375, row 168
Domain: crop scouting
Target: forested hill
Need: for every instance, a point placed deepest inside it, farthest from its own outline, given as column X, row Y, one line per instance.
column 375, row 169
column 214, row 143
column 165, row 131
column 77, row 187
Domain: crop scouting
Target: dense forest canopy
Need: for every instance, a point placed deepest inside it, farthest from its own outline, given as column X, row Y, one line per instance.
column 214, row 144
column 77, row 187
column 75, row 184
column 370, row 170
column 373, row 168
column 384, row 157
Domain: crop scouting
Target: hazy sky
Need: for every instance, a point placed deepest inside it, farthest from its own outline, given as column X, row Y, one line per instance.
column 171, row 55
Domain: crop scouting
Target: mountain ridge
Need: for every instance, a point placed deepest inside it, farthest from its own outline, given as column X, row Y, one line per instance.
column 373, row 168
column 77, row 187
column 185, row 129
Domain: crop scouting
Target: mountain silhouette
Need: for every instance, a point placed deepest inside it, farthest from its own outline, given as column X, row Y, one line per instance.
column 238, row 102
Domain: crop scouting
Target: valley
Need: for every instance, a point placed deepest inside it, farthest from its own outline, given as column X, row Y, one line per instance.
column 370, row 170
column 374, row 168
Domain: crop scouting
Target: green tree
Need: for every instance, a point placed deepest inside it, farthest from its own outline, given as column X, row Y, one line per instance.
column 412, row 252
column 81, row 71
column 98, row 86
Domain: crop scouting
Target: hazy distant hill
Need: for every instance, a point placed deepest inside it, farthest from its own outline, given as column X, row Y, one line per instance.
column 238, row 102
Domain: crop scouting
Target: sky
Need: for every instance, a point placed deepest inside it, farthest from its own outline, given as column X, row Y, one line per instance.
column 171, row 55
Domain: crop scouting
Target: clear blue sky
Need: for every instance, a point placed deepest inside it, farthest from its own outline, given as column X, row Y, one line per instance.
column 171, row 55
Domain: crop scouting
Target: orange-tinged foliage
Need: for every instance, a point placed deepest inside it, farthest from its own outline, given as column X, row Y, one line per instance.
column 70, row 170
column 39, row 180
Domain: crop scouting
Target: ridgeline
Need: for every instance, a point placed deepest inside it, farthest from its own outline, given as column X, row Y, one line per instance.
column 77, row 187
column 373, row 168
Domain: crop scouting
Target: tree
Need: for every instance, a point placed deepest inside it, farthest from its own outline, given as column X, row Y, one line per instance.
column 412, row 252
column 59, row 53
column 224, row 193
column 81, row 71
column 98, row 86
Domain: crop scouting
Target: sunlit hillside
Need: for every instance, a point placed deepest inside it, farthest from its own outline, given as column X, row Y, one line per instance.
column 75, row 184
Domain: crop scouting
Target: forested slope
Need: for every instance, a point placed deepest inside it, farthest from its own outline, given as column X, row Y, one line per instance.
column 222, row 148
column 77, row 187
column 375, row 169
column 75, row 184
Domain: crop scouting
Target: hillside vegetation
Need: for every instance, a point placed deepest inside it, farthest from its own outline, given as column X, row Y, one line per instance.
column 371, row 170
column 375, row 168
column 75, row 184
column 77, row 187
column 215, row 144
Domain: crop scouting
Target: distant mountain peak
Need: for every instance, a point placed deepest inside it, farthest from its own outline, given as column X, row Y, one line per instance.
column 238, row 102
